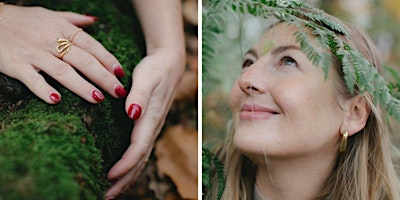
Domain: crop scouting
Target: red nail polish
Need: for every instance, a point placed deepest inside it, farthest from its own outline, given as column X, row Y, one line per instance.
column 55, row 97
column 97, row 96
column 93, row 17
column 134, row 111
column 120, row 91
column 119, row 72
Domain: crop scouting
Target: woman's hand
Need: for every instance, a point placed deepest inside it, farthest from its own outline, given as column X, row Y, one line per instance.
column 28, row 45
column 155, row 80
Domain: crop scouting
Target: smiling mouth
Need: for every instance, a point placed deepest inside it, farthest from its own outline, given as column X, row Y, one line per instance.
column 256, row 112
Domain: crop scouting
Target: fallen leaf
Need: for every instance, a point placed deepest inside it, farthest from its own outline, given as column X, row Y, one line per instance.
column 190, row 11
column 176, row 153
column 187, row 88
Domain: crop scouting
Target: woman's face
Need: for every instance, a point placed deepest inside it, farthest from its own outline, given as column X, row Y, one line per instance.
column 282, row 104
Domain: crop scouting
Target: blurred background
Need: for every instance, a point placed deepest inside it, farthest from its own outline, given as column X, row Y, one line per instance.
column 379, row 18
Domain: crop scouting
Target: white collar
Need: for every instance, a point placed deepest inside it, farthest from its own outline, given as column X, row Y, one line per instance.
column 257, row 194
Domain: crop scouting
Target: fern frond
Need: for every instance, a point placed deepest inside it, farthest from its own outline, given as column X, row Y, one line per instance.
column 307, row 47
column 221, row 177
column 209, row 162
column 213, row 23
column 206, row 167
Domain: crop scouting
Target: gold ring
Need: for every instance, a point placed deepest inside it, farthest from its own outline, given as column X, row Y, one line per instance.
column 73, row 34
column 64, row 44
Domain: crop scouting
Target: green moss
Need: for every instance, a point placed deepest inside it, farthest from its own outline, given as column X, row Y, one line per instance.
column 42, row 153
column 64, row 151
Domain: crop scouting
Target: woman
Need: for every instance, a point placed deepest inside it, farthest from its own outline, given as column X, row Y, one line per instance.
column 299, row 135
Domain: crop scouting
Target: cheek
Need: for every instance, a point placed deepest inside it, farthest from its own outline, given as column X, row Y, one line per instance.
column 303, row 97
column 292, row 97
column 234, row 97
column 310, row 107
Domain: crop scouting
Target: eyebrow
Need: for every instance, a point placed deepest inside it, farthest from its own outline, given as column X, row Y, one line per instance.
column 275, row 51
column 280, row 49
column 252, row 52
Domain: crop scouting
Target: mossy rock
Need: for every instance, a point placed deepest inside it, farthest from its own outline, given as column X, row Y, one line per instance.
column 51, row 156
column 64, row 151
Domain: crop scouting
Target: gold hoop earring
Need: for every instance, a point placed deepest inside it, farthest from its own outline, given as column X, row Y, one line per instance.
column 343, row 142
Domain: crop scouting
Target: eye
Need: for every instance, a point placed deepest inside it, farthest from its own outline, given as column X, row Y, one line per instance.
column 247, row 63
column 288, row 61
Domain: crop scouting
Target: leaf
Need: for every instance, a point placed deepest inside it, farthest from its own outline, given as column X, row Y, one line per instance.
column 176, row 153
column 187, row 88
column 208, row 160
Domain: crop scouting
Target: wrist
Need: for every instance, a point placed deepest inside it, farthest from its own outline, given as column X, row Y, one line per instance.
column 173, row 45
column 176, row 52
column 170, row 57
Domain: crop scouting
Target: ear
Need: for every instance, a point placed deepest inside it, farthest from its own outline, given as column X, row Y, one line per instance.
column 356, row 116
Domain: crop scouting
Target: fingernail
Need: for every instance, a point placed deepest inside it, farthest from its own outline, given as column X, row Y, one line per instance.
column 55, row 97
column 118, row 71
column 97, row 96
column 110, row 198
column 93, row 17
column 134, row 111
column 120, row 91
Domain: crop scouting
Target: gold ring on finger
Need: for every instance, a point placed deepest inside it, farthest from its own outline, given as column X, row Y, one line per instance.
column 64, row 44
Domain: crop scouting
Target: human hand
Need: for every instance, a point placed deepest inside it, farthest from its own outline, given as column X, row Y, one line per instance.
column 28, row 45
column 155, row 80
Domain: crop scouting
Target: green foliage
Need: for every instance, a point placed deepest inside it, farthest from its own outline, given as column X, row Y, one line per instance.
column 209, row 163
column 359, row 73
column 395, row 85
column 213, row 21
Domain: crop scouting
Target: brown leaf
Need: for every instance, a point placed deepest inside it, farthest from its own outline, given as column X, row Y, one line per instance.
column 176, row 155
column 190, row 11
column 187, row 88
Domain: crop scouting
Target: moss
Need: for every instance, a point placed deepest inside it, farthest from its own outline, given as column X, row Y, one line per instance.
column 48, row 156
column 64, row 151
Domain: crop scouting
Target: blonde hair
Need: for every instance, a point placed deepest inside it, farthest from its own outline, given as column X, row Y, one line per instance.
column 364, row 171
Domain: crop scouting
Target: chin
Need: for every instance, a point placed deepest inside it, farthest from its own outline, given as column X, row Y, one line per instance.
column 252, row 142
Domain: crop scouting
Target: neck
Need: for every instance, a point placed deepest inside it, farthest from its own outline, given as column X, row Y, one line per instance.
column 294, row 178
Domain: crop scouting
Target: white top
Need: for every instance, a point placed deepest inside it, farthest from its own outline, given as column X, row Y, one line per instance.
column 257, row 194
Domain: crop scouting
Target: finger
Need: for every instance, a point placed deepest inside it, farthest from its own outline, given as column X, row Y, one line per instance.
column 146, row 127
column 93, row 70
column 38, row 85
column 77, row 19
column 129, row 160
column 139, row 95
column 67, row 76
column 128, row 178
column 93, row 47
column 142, row 141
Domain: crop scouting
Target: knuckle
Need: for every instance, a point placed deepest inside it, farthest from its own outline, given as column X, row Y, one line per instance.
column 34, row 81
column 142, row 149
column 143, row 94
column 88, row 43
column 61, row 69
column 87, row 61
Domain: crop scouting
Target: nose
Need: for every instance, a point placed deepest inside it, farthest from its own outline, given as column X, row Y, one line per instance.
column 252, row 81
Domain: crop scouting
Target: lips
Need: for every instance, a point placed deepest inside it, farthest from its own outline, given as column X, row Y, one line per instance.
column 256, row 112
